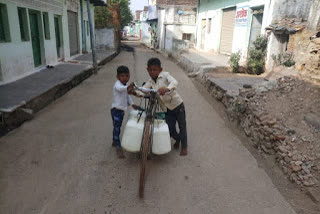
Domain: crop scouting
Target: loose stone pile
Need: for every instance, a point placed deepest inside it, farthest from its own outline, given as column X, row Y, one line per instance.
column 272, row 130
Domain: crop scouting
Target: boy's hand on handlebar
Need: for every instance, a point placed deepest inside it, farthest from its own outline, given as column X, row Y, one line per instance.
column 136, row 107
column 130, row 88
column 162, row 91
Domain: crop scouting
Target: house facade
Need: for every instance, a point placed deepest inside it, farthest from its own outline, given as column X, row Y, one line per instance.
column 35, row 33
column 285, row 18
column 229, row 26
column 144, row 27
column 176, row 23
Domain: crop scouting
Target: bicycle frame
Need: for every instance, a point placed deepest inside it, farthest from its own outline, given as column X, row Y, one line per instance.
column 150, row 115
column 147, row 139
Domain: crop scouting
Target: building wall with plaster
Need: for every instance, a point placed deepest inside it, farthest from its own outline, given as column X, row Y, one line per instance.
column 18, row 62
column 213, row 10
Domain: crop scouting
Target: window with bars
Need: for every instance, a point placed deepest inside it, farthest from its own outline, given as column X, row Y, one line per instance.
column 46, row 25
column 23, row 23
column 186, row 36
column 4, row 24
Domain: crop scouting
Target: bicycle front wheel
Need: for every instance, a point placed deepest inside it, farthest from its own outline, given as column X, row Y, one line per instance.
column 144, row 156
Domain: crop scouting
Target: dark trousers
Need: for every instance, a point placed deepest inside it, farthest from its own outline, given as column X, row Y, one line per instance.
column 117, row 118
column 178, row 115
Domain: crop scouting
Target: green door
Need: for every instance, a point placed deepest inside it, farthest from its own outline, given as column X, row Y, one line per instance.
column 35, row 38
column 57, row 31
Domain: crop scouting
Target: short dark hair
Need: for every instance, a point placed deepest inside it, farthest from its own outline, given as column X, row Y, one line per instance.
column 154, row 61
column 122, row 70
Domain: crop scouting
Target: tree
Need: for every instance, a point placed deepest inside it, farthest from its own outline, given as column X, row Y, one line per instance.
column 125, row 13
column 102, row 17
column 106, row 17
column 117, row 15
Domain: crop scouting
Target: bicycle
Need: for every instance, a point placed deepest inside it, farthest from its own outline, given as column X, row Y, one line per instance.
column 147, row 137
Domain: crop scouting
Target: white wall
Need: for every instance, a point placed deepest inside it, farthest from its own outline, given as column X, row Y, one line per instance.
column 314, row 16
column 241, row 34
column 145, row 34
column 161, row 26
column 169, row 35
column 276, row 10
column 18, row 62
column 212, row 39
column 104, row 37
column 171, row 25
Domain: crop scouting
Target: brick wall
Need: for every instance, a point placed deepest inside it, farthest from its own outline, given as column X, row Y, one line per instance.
column 55, row 6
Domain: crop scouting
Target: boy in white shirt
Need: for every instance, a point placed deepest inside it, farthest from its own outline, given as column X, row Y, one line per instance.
column 171, row 103
column 121, row 100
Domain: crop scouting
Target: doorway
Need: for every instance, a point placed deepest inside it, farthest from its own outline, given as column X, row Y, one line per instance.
column 73, row 32
column 58, row 34
column 228, row 19
column 255, row 26
column 35, row 18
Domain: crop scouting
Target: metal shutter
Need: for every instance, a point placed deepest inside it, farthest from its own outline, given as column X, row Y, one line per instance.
column 73, row 33
column 227, row 28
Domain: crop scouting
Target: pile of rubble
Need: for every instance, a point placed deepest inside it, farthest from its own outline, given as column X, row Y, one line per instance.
column 282, row 118
column 287, row 26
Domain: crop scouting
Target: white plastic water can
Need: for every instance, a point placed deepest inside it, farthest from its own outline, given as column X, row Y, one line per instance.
column 161, row 138
column 132, row 135
column 134, row 114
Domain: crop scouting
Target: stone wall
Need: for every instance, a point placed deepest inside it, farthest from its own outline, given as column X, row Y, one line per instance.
column 276, row 135
column 266, row 131
column 307, row 55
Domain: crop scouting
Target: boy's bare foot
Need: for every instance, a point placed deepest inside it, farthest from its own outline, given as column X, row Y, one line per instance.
column 176, row 144
column 120, row 153
column 184, row 152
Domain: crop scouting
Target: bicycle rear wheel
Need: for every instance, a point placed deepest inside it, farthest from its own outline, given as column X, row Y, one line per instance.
column 144, row 156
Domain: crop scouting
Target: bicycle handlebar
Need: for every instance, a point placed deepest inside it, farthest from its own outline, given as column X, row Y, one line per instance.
column 145, row 90
column 149, row 90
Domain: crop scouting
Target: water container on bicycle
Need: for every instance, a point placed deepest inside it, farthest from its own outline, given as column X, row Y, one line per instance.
column 134, row 114
column 132, row 135
column 161, row 138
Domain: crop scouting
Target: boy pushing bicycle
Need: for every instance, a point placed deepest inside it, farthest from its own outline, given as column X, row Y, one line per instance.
column 171, row 103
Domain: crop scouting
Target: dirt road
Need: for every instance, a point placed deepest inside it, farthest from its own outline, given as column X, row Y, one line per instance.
column 62, row 161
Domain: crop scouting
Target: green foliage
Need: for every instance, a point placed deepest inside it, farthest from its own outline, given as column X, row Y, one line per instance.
column 238, row 106
column 234, row 62
column 125, row 13
column 104, row 15
column 257, row 54
column 286, row 59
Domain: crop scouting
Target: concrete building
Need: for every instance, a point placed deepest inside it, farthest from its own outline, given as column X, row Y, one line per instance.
column 278, row 15
column 176, row 23
column 229, row 26
column 137, row 24
column 35, row 33
column 145, row 27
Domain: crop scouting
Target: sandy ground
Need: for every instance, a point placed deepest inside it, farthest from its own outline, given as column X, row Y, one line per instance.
column 62, row 161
